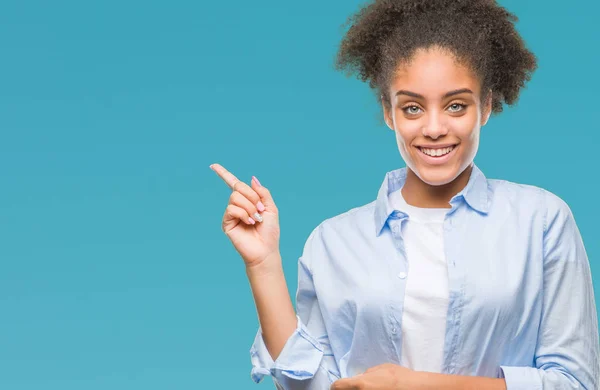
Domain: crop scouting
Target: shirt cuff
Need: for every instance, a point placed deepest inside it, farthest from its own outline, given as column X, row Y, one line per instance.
column 299, row 359
column 521, row 378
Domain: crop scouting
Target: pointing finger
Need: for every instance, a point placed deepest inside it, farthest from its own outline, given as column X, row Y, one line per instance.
column 227, row 176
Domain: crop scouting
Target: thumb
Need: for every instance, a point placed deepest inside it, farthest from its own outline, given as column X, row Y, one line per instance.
column 265, row 194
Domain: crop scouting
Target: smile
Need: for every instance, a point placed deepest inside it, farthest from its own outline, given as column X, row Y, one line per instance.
column 437, row 152
column 437, row 156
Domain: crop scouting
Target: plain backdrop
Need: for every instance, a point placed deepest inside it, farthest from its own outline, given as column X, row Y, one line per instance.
column 114, row 271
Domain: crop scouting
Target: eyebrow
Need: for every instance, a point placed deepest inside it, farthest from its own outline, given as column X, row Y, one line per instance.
column 448, row 94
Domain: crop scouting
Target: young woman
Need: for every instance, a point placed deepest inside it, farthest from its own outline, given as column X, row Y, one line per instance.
column 447, row 280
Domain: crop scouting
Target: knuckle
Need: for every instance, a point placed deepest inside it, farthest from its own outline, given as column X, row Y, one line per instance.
column 235, row 211
column 245, row 203
column 236, row 197
column 251, row 195
column 254, row 197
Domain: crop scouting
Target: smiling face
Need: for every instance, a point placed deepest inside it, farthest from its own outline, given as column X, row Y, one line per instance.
column 436, row 113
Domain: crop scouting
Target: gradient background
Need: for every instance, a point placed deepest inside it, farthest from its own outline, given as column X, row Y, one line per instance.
column 114, row 271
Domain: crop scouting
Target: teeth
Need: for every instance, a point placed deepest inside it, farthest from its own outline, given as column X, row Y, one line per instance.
column 437, row 152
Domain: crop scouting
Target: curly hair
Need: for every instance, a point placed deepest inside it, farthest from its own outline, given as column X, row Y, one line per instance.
column 479, row 33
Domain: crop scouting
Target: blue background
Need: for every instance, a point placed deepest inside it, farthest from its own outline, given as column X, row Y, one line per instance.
column 114, row 271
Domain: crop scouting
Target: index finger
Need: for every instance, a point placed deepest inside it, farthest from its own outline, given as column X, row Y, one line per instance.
column 227, row 176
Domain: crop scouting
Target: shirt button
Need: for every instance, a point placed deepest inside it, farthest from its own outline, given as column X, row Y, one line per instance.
column 395, row 229
column 393, row 330
column 402, row 275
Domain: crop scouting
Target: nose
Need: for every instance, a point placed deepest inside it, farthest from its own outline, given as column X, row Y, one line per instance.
column 434, row 127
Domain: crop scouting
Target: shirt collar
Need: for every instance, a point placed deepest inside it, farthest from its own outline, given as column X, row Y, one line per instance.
column 476, row 194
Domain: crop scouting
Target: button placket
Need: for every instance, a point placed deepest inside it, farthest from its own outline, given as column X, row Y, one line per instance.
column 397, row 238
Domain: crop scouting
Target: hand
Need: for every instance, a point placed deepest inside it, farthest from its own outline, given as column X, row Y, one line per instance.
column 255, row 239
column 383, row 377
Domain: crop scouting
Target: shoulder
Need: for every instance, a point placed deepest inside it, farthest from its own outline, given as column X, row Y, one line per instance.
column 531, row 197
column 347, row 227
column 514, row 190
column 348, row 221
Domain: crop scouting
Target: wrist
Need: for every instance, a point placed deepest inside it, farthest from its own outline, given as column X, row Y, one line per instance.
column 272, row 264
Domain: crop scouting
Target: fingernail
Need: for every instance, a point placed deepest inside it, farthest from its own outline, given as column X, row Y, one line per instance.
column 260, row 207
column 258, row 217
column 251, row 221
column 257, row 182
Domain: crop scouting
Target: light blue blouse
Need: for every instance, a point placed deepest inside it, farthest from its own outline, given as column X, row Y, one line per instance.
column 521, row 300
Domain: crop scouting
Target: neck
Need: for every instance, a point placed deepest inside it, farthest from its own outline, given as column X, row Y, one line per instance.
column 420, row 194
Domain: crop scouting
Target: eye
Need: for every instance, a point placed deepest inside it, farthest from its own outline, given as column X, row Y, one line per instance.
column 457, row 107
column 411, row 110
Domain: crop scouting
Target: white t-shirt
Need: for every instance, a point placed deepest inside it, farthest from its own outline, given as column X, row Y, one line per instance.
column 426, row 296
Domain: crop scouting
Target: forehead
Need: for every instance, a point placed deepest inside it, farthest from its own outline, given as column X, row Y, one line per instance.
column 433, row 72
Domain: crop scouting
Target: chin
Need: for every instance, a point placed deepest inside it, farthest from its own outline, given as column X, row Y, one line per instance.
column 438, row 175
column 436, row 179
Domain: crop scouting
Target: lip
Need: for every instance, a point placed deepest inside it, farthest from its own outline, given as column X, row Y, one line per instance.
column 439, row 146
column 437, row 160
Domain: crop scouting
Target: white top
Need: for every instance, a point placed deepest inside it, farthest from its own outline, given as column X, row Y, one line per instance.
column 426, row 295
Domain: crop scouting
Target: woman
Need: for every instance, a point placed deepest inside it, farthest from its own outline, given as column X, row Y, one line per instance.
column 448, row 280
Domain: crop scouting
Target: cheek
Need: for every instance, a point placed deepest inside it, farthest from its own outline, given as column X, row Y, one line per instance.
column 466, row 128
column 407, row 131
column 470, row 142
column 404, row 140
column 466, row 124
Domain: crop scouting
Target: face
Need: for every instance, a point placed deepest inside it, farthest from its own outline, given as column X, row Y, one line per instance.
column 436, row 113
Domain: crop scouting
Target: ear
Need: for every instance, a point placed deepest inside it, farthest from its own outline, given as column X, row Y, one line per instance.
column 387, row 114
column 487, row 109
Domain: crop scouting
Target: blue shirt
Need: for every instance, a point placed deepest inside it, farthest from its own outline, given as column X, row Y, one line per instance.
column 521, row 300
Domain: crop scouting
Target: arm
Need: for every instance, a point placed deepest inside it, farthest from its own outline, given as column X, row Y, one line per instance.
column 395, row 377
column 434, row 381
column 294, row 349
column 273, row 304
column 567, row 354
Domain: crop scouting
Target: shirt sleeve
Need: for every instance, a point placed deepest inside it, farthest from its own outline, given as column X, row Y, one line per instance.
column 306, row 361
column 567, row 352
